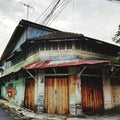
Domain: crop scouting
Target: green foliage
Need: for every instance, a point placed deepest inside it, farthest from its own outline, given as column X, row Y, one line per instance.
column 116, row 38
column 118, row 57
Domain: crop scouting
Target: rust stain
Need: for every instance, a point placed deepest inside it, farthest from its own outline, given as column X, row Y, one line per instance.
column 48, row 64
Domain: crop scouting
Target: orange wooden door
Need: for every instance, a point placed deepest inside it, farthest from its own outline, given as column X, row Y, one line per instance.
column 56, row 95
column 49, row 95
column 29, row 94
column 92, row 95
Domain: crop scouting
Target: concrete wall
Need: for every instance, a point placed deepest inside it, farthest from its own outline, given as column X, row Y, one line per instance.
column 16, row 89
column 107, row 94
column 39, row 91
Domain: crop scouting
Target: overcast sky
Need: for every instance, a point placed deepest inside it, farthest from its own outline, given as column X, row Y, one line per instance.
column 98, row 19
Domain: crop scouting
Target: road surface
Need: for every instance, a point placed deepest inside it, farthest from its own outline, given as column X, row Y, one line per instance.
column 5, row 116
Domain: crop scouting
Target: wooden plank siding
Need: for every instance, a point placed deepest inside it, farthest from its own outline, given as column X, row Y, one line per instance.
column 29, row 94
column 56, row 95
column 115, row 87
column 92, row 95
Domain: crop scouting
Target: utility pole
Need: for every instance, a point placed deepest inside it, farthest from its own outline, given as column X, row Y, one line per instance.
column 27, row 6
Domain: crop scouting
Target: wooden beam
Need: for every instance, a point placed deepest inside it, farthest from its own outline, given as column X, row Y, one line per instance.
column 31, row 75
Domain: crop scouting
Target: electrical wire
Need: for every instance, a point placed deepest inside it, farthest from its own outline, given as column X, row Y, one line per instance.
column 46, row 11
column 52, row 11
column 58, row 12
column 46, row 20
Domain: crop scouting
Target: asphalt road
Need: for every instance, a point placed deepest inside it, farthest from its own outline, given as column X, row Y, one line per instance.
column 5, row 115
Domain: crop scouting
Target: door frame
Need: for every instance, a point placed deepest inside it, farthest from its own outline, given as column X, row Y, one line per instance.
column 55, row 78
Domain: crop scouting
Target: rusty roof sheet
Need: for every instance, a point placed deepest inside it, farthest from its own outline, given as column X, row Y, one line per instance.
column 49, row 64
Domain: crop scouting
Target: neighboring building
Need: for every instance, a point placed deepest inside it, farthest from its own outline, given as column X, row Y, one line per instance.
column 51, row 71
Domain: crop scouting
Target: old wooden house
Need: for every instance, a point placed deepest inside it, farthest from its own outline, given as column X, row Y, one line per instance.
column 51, row 71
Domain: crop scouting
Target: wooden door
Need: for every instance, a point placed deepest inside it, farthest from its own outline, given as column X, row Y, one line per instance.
column 92, row 95
column 56, row 95
column 29, row 94
column 115, row 87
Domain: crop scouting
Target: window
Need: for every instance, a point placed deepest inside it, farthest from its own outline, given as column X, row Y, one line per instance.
column 48, row 46
column 77, row 45
column 62, row 45
column 69, row 45
column 17, row 59
column 34, row 49
column 55, row 46
column 83, row 45
column 42, row 45
column 8, row 64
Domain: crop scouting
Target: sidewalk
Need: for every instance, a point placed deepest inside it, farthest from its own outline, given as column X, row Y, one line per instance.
column 23, row 114
column 29, row 115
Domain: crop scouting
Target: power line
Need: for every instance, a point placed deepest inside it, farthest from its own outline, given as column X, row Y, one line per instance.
column 59, row 10
column 47, row 18
column 52, row 11
column 46, row 11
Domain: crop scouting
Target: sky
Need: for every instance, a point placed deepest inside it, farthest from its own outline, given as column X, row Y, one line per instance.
column 98, row 19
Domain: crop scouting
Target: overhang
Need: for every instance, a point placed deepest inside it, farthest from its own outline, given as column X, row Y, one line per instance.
column 63, row 63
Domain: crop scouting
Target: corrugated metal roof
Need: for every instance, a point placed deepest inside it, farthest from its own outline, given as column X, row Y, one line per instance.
column 57, row 36
column 48, row 64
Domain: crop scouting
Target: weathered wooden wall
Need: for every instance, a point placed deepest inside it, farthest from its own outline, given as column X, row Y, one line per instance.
column 29, row 93
column 92, row 94
column 56, row 95
column 115, row 90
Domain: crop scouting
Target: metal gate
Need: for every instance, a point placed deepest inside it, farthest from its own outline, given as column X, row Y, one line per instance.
column 92, row 94
column 56, row 95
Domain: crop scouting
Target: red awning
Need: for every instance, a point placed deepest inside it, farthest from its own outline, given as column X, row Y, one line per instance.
column 49, row 64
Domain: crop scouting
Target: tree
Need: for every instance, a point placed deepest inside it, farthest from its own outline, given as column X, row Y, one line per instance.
column 118, row 57
column 116, row 38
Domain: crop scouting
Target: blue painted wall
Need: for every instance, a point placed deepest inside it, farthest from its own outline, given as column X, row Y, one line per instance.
column 21, row 40
column 31, row 32
column 35, row 32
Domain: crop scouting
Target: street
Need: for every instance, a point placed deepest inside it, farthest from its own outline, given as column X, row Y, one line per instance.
column 5, row 116
column 11, row 112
